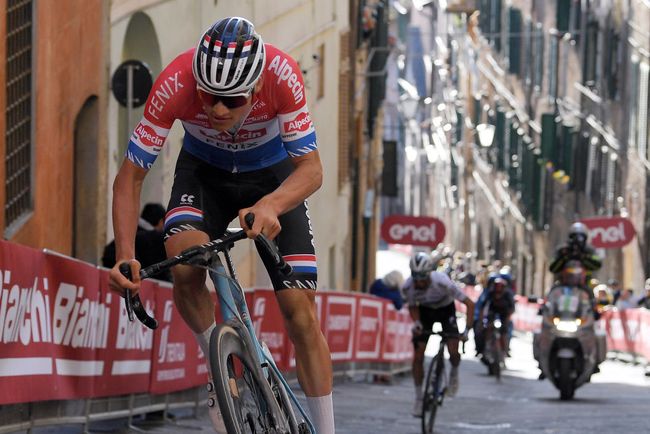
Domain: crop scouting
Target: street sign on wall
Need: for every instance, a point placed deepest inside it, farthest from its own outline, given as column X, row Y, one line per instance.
column 609, row 232
column 416, row 231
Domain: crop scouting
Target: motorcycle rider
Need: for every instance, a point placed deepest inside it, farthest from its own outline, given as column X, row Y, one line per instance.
column 576, row 248
column 430, row 296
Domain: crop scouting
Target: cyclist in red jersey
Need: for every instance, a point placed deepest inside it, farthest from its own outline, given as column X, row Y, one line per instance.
column 249, row 147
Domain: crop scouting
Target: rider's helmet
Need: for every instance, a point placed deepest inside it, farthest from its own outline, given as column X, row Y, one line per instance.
column 229, row 58
column 578, row 233
column 573, row 274
column 436, row 257
column 421, row 266
column 499, row 285
column 506, row 273
column 394, row 279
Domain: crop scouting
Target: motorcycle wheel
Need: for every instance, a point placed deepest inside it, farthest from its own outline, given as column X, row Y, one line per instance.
column 565, row 381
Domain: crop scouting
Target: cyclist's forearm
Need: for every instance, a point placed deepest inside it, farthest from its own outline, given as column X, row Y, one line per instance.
column 302, row 183
column 126, row 204
column 415, row 313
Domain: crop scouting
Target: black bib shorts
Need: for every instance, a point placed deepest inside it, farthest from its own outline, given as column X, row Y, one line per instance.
column 207, row 199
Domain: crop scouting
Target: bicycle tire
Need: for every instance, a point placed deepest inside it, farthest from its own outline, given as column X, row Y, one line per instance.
column 245, row 399
column 497, row 356
column 430, row 397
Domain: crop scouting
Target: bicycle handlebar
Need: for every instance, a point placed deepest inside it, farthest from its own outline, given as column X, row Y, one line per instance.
column 134, row 304
column 446, row 336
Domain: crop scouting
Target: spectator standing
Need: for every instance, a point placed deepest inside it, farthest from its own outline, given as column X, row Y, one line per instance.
column 626, row 300
column 645, row 300
column 389, row 287
column 149, row 240
column 614, row 289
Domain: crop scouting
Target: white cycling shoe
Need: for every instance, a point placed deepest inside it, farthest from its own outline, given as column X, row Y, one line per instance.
column 214, row 412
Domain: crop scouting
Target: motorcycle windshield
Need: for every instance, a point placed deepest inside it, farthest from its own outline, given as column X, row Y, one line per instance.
column 568, row 303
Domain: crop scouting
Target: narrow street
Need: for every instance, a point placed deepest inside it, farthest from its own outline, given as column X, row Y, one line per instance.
column 616, row 401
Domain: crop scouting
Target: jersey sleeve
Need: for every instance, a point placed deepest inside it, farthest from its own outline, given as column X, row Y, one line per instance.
column 296, row 127
column 455, row 290
column 408, row 292
column 168, row 96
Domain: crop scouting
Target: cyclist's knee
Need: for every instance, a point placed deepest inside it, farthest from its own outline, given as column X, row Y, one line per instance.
column 302, row 325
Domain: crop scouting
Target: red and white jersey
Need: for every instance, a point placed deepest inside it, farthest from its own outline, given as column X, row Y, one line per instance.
column 278, row 125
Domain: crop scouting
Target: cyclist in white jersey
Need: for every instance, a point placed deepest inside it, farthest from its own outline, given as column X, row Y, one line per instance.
column 430, row 297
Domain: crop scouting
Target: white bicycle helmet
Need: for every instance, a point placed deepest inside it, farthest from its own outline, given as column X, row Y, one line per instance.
column 229, row 58
column 421, row 265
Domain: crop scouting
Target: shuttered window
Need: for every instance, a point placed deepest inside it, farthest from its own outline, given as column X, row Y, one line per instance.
column 552, row 67
column 514, row 41
column 642, row 111
column 344, row 111
column 18, row 135
column 591, row 54
column 633, row 101
column 563, row 15
column 538, row 53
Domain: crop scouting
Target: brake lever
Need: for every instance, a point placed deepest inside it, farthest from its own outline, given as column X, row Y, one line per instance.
column 266, row 244
column 134, row 304
column 125, row 269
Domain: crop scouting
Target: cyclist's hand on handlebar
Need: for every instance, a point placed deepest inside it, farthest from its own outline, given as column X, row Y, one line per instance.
column 417, row 328
column 117, row 282
column 266, row 220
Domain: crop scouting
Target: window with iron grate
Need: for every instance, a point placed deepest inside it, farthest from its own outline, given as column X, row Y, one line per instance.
column 18, row 135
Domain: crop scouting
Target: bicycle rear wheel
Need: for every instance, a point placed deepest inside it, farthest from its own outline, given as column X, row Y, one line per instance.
column 245, row 399
column 431, row 396
column 282, row 397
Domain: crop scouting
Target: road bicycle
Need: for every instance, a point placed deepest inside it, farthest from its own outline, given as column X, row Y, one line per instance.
column 436, row 382
column 252, row 394
column 494, row 351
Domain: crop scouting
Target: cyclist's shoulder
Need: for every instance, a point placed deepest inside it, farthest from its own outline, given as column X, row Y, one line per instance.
column 283, row 76
column 173, row 90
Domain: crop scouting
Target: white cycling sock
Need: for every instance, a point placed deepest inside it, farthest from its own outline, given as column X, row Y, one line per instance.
column 418, row 391
column 322, row 413
column 204, row 342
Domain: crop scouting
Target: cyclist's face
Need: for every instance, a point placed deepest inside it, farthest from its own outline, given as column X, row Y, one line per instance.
column 421, row 281
column 226, row 112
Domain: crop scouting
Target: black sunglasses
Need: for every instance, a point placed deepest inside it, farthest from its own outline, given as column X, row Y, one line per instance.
column 230, row 102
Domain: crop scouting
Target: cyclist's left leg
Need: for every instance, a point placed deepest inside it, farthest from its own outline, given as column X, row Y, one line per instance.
column 447, row 316
column 296, row 297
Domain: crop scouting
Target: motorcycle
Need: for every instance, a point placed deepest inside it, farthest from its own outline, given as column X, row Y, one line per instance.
column 567, row 348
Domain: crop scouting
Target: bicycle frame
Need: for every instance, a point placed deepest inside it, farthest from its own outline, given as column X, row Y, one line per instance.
column 232, row 300
column 232, row 304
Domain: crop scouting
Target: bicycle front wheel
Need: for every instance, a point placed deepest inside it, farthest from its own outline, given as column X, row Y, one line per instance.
column 245, row 399
column 431, row 396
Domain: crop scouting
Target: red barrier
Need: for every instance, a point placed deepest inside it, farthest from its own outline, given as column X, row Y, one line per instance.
column 628, row 331
column 526, row 316
column 65, row 335
column 177, row 360
column 128, row 351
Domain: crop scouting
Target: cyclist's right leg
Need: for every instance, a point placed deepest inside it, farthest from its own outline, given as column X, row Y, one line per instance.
column 186, row 226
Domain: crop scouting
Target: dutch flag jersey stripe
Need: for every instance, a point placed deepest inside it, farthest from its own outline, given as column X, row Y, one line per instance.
column 302, row 263
column 183, row 213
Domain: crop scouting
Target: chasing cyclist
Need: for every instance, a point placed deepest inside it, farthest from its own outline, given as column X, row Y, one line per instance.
column 430, row 296
column 249, row 147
